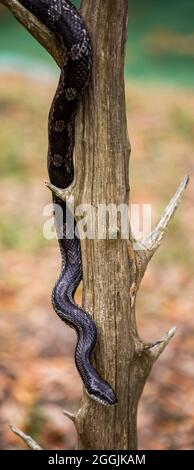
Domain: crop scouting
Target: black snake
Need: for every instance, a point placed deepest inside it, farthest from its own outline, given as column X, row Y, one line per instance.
column 61, row 17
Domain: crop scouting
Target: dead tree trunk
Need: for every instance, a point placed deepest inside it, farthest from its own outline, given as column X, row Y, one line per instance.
column 112, row 269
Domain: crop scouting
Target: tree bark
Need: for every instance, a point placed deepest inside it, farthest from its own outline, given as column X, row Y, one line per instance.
column 103, row 179
column 112, row 269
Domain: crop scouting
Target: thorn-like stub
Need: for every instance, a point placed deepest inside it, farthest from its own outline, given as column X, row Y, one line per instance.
column 151, row 242
column 155, row 349
column 65, row 195
column 187, row 178
column 27, row 439
column 69, row 415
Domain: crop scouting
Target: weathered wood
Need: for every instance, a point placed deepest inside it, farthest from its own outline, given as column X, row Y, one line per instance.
column 112, row 270
column 102, row 151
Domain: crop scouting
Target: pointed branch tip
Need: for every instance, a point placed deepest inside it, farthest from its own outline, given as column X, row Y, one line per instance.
column 153, row 240
column 27, row 439
column 65, row 195
column 69, row 415
column 155, row 349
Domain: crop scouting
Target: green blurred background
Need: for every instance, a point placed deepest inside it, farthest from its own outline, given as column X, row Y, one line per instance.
column 37, row 373
column 160, row 42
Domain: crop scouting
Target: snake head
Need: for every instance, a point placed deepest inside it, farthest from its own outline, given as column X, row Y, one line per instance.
column 102, row 392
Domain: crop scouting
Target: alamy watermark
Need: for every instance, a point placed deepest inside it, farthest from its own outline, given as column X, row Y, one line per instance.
column 104, row 221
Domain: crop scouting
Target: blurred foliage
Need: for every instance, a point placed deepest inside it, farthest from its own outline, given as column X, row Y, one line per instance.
column 160, row 43
column 37, row 372
column 36, row 421
column 38, row 376
column 183, row 123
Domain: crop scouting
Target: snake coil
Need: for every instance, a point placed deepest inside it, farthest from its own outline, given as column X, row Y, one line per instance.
column 61, row 17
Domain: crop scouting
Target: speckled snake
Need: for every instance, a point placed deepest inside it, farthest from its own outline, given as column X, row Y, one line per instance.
column 62, row 18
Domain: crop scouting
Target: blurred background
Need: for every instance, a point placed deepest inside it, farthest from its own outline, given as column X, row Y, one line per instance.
column 37, row 373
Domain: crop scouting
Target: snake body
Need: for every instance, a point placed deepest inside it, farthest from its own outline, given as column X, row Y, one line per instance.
column 61, row 17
